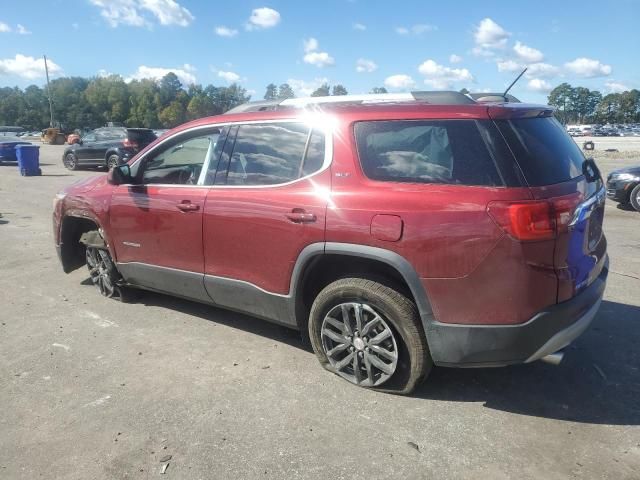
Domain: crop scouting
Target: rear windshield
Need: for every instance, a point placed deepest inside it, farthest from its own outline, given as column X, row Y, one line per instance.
column 143, row 137
column 426, row 151
column 543, row 149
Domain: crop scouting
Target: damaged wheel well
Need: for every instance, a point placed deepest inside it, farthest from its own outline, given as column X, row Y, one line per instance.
column 72, row 251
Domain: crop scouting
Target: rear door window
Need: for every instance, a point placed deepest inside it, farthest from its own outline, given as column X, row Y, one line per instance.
column 274, row 153
column 543, row 149
column 421, row 151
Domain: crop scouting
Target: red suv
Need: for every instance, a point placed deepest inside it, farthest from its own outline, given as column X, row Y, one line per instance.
column 399, row 231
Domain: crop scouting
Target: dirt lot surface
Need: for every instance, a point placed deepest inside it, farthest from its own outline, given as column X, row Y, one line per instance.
column 91, row 388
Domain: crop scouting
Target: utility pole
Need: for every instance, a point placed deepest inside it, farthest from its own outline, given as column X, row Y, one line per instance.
column 46, row 71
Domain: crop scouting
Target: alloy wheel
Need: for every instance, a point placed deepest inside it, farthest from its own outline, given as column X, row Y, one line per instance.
column 100, row 270
column 359, row 344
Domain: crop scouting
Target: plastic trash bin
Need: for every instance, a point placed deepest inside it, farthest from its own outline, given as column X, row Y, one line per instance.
column 28, row 160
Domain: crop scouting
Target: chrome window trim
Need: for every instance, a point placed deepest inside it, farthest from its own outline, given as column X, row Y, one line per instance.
column 328, row 154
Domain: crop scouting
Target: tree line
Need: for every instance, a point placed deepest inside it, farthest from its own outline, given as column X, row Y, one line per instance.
column 581, row 105
column 93, row 102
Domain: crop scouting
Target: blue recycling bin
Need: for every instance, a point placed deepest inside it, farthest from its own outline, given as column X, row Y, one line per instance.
column 28, row 160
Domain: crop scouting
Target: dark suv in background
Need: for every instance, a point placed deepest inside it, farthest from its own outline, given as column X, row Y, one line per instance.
column 107, row 147
column 398, row 231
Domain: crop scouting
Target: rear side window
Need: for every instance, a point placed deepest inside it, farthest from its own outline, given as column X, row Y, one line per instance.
column 270, row 154
column 543, row 149
column 421, row 151
column 143, row 137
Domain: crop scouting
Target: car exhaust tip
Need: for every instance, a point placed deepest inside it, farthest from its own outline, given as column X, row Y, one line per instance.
column 553, row 358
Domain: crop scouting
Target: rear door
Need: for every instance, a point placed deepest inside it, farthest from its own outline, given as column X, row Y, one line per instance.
column 555, row 169
column 156, row 224
column 268, row 202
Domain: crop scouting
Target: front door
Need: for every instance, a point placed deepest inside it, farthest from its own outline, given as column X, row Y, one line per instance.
column 156, row 223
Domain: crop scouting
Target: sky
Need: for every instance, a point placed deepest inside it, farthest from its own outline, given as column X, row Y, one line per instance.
column 402, row 45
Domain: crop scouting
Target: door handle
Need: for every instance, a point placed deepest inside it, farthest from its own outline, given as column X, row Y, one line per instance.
column 298, row 215
column 187, row 206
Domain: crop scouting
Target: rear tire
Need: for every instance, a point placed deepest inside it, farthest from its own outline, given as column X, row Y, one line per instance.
column 388, row 340
column 70, row 161
column 634, row 198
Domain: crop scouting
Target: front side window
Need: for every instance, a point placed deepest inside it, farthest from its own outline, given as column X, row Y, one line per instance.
column 273, row 153
column 450, row 151
column 182, row 162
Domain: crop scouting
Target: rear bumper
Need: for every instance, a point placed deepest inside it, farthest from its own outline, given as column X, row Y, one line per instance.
column 548, row 331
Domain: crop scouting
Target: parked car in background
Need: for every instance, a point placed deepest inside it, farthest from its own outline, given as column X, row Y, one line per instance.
column 623, row 186
column 106, row 147
column 8, row 146
column 432, row 230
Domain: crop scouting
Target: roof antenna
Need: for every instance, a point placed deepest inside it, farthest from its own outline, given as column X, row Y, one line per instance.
column 513, row 83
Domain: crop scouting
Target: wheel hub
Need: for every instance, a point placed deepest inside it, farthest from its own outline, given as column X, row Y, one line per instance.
column 359, row 344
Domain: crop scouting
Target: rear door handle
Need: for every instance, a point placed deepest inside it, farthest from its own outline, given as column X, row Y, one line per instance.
column 187, row 206
column 298, row 215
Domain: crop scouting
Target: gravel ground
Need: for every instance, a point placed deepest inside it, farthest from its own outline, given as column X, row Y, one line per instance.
column 96, row 389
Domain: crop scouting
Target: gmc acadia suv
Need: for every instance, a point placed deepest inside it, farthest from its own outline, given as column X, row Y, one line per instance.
column 399, row 231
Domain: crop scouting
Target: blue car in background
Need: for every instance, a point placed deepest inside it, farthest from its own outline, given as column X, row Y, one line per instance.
column 8, row 148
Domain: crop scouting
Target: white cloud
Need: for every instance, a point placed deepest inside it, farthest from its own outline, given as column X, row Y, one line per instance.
column 527, row 54
column 313, row 56
column 588, row 68
column 310, row 45
column 229, row 77
column 102, row 73
column 21, row 29
column 418, row 29
column 489, row 34
column 319, row 59
column 223, row 31
column 539, row 85
column 509, row 66
column 4, row 28
column 453, row 58
column 263, row 18
column 303, row 88
column 399, row 81
column 616, row 87
column 359, row 26
column 137, row 13
column 27, row 67
column 441, row 77
column 542, row 70
column 364, row 65
column 185, row 74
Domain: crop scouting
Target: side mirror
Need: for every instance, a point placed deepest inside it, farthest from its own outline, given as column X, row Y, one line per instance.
column 120, row 175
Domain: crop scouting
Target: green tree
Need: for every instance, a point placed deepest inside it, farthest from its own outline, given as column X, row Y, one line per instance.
column 379, row 90
column 169, row 87
column 323, row 90
column 339, row 90
column 272, row 92
column 172, row 115
column 561, row 98
column 200, row 106
column 285, row 91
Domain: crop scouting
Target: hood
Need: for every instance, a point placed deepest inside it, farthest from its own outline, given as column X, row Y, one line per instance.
column 631, row 170
column 86, row 184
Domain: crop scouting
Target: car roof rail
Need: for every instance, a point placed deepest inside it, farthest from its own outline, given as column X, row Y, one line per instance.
column 431, row 97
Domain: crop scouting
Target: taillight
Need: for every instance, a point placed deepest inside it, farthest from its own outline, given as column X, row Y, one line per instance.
column 534, row 220
column 129, row 144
